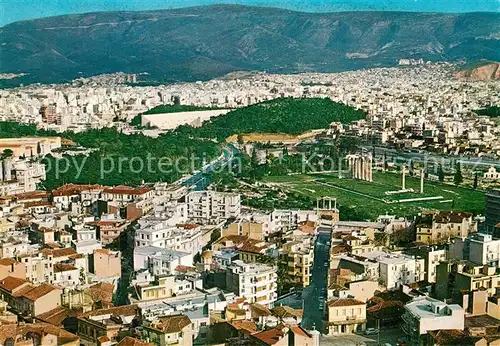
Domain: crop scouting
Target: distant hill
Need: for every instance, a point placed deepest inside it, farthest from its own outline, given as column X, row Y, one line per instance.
column 205, row 42
column 282, row 115
column 480, row 70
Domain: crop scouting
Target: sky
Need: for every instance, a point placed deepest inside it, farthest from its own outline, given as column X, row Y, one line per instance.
column 14, row 10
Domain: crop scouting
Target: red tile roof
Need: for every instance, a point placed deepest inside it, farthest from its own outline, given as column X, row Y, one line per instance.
column 344, row 302
column 10, row 283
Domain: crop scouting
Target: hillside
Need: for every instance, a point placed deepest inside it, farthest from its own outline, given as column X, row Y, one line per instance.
column 281, row 116
column 204, row 42
column 482, row 70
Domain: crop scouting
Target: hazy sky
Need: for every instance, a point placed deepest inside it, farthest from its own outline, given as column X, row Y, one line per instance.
column 14, row 10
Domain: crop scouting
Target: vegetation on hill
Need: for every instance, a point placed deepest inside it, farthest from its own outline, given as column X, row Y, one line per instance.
column 125, row 159
column 136, row 121
column 283, row 115
column 10, row 129
column 491, row 111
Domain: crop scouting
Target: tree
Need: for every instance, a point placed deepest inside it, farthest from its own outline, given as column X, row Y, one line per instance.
column 458, row 174
column 475, row 180
column 240, row 139
column 440, row 173
column 6, row 153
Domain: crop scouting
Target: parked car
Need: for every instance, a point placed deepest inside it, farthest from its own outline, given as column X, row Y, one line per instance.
column 369, row 331
column 402, row 341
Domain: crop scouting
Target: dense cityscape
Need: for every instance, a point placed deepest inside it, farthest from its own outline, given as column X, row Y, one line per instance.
column 350, row 208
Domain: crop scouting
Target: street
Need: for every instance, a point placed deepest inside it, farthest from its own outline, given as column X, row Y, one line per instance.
column 314, row 295
column 388, row 336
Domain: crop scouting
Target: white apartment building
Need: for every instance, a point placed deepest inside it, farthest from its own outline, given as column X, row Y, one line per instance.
column 396, row 270
column 207, row 207
column 286, row 219
column 478, row 248
column 86, row 240
column 160, row 261
column 66, row 275
column 432, row 256
column 185, row 238
column 424, row 314
column 255, row 282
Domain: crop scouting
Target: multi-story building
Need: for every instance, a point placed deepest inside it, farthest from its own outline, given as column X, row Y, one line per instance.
column 492, row 211
column 479, row 248
column 66, row 275
column 282, row 220
column 345, row 316
column 425, row 314
column 254, row 226
column 112, row 323
column 107, row 263
column 255, row 282
column 432, row 255
column 455, row 277
column 441, row 226
column 169, row 330
column 28, row 299
column 299, row 258
column 11, row 267
column 183, row 237
column 164, row 287
column 160, row 261
column 397, row 269
column 206, row 207
column 39, row 268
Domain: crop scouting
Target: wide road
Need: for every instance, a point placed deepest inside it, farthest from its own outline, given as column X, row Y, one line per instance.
column 315, row 294
column 434, row 158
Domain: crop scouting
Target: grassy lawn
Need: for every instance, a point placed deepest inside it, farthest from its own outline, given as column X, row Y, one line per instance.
column 371, row 196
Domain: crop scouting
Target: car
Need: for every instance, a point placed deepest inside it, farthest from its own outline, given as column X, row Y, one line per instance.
column 369, row 331
column 402, row 341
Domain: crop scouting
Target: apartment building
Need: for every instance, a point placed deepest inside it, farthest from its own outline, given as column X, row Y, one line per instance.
column 164, row 287
column 299, row 257
column 255, row 282
column 282, row 220
column 66, row 275
column 479, row 248
column 183, row 237
column 39, row 268
column 254, row 226
column 86, row 241
column 396, row 270
column 107, row 263
column 454, row 277
column 432, row 256
column 440, row 226
column 207, row 207
column 126, row 193
column 160, row 261
column 345, row 316
column 425, row 314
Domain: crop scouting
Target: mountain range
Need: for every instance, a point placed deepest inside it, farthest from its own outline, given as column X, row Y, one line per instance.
column 198, row 43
